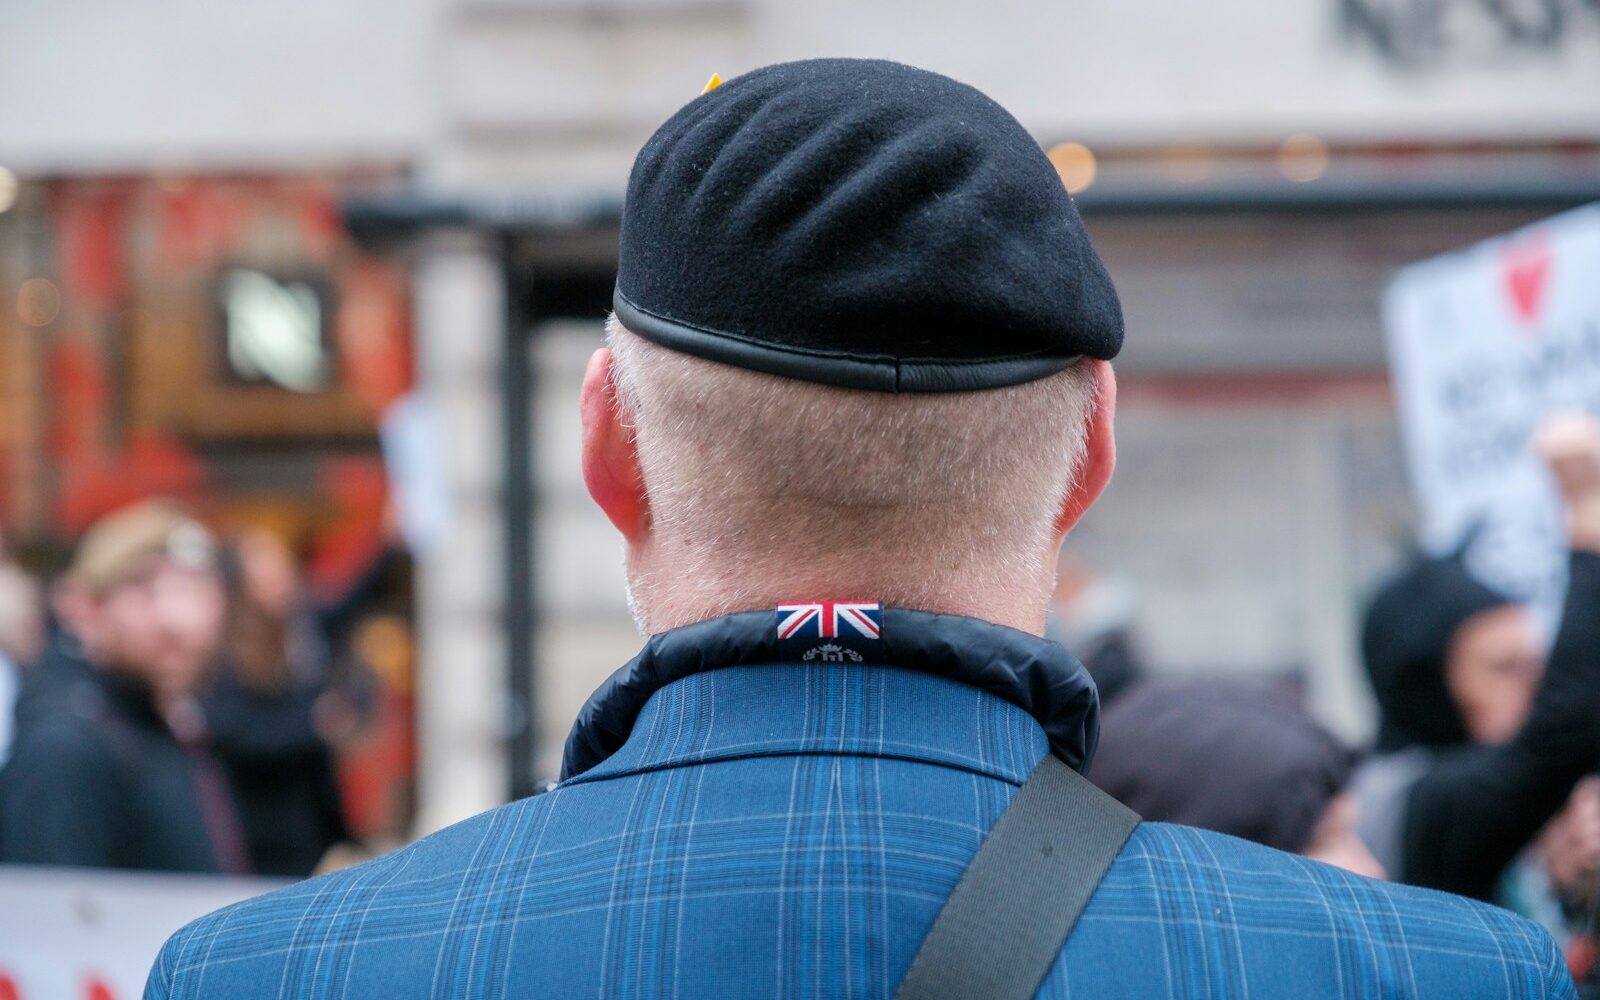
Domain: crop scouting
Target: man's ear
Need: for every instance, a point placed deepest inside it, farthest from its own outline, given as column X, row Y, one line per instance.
column 610, row 457
column 1099, row 455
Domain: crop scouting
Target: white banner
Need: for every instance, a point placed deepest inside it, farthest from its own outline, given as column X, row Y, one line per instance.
column 92, row 934
column 1483, row 343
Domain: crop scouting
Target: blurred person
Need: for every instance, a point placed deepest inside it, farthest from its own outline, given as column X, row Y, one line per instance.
column 21, row 640
column 1092, row 615
column 361, row 712
column 855, row 393
column 1555, row 881
column 1480, row 743
column 317, row 629
column 1222, row 756
column 265, row 705
column 1568, row 848
column 113, row 766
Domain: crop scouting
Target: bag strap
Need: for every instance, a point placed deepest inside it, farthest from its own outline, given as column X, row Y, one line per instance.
column 1010, row 914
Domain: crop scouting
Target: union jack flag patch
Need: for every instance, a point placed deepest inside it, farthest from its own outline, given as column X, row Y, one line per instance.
column 831, row 631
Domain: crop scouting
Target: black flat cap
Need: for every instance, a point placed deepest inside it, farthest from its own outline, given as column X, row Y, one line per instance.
column 864, row 224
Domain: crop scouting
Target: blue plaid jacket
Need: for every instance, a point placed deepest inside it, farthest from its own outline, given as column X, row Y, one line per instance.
column 737, row 827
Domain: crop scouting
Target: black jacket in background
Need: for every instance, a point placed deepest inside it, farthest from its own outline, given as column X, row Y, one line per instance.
column 48, row 685
column 97, row 779
column 281, row 772
column 1470, row 809
column 1478, row 806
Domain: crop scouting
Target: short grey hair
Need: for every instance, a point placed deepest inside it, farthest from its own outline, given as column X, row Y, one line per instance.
column 737, row 462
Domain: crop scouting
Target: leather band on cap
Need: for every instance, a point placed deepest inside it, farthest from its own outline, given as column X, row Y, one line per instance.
column 879, row 373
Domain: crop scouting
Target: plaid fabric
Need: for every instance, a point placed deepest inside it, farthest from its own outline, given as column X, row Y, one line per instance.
column 791, row 831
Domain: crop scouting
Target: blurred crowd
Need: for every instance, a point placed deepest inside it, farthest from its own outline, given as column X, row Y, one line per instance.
column 174, row 702
column 1481, row 780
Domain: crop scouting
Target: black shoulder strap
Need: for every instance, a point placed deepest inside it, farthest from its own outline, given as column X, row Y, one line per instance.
column 1009, row 916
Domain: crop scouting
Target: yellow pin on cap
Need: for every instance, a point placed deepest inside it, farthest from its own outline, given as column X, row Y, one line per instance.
column 713, row 83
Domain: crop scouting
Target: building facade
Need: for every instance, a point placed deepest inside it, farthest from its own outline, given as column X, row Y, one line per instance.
column 1252, row 175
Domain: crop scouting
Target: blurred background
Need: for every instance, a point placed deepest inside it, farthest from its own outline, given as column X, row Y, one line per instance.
column 328, row 273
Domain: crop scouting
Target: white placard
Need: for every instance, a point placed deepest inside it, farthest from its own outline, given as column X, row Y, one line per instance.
column 70, row 933
column 1483, row 343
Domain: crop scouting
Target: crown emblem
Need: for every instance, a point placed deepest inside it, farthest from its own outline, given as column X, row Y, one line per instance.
column 831, row 653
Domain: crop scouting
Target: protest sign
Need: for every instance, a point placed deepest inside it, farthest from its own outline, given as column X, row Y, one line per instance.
column 1483, row 343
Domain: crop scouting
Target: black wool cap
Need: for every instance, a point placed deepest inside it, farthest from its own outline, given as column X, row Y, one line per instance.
column 1221, row 756
column 864, row 224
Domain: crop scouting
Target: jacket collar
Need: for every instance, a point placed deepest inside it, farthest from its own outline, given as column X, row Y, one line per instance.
column 1011, row 669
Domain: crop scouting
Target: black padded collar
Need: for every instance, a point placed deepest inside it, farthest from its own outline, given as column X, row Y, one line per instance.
column 1035, row 674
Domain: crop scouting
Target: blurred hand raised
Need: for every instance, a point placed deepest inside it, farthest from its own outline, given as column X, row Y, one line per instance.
column 1571, row 843
column 1569, row 443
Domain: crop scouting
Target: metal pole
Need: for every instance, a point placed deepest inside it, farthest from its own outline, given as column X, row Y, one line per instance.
column 520, row 505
